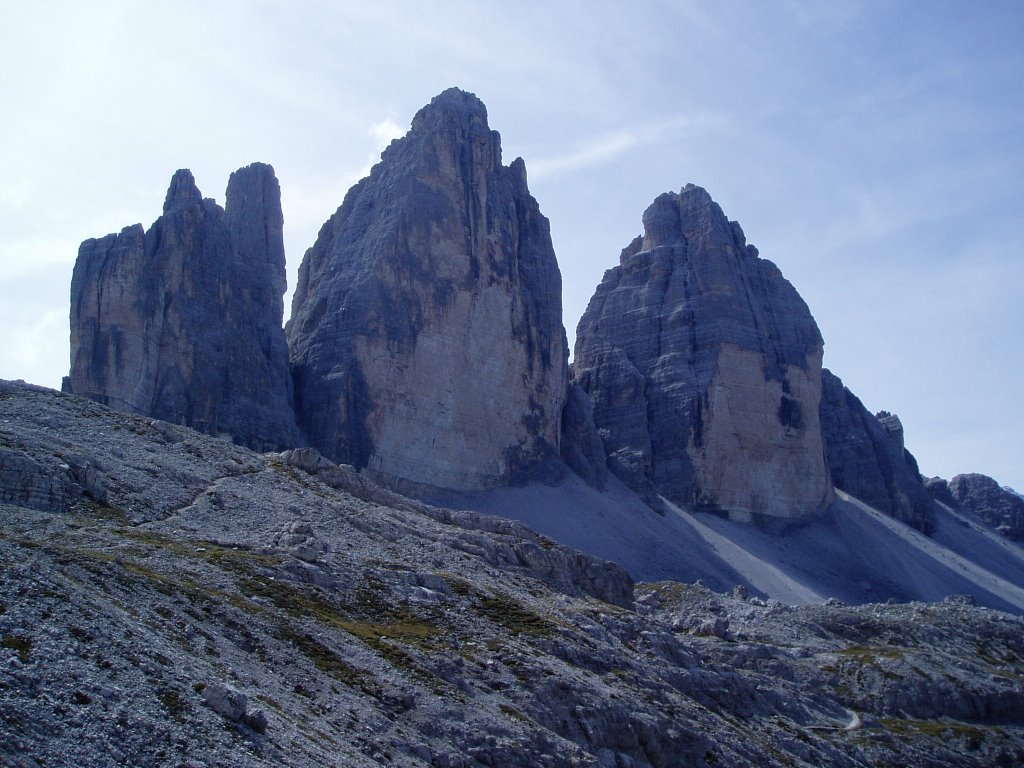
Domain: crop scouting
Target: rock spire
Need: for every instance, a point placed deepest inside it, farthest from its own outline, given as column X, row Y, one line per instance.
column 426, row 334
column 703, row 365
column 184, row 322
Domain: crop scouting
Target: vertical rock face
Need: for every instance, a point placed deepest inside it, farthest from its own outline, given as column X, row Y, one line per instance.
column 183, row 322
column 995, row 505
column 703, row 365
column 426, row 335
column 867, row 458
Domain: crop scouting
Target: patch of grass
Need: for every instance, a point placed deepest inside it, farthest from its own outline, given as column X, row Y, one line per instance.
column 21, row 644
column 943, row 729
column 327, row 660
column 867, row 655
column 90, row 509
column 514, row 616
column 514, row 713
column 226, row 557
column 460, row 586
column 383, row 627
column 175, row 705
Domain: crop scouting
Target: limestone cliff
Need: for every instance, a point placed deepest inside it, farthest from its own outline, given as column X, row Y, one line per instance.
column 184, row 322
column 703, row 365
column 983, row 496
column 867, row 457
column 426, row 335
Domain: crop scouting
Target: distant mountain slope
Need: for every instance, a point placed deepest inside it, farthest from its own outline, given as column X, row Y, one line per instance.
column 850, row 552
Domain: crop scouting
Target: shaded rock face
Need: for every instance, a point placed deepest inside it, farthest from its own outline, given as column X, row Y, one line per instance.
column 703, row 365
column 867, row 458
column 426, row 335
column 995, row 505
column 184, row 322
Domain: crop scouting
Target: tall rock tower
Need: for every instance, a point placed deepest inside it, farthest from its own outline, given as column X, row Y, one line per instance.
column 184, row 322
column 426, row 334
column 703, row 365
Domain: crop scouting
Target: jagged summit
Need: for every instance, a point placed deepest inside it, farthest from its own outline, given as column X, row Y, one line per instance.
column 703, row 365
column 182, row 192
column 183, row 322
column 451, row 103
column 426, row 335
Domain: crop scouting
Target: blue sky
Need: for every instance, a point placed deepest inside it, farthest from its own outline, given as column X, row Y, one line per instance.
column 873, row 150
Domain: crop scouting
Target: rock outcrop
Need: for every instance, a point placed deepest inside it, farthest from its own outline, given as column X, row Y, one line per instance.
column 997, row 506
column 184, row 322
column 867, row 457
column 267, row 619
column 703, row 365
column 426, row 335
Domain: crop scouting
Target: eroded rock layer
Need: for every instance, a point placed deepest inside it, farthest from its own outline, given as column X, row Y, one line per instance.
column 184, row 322
column 704, row 368
column 991, row 502
column 426, row 334
column 867, row 457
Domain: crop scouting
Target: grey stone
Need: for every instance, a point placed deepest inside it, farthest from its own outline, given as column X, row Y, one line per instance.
column 703, row 365
column 582, row 449
column 867, row 459
column 426, row 334
column 27, row 482
column 183, row 322
column 227, row 702
column 995, row 505
column 938, row 489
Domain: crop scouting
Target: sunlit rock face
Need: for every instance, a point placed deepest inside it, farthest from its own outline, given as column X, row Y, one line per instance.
column 703, row 365
column 426, row 334
column 184, row 322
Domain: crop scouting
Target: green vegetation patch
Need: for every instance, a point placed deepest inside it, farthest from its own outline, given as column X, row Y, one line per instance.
column 226, row 557
column 868, row 655
column 22, row 644
column 502, row 609
column 939, row 729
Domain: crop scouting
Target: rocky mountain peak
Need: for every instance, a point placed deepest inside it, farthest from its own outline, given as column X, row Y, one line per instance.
column 453, row 106
column 704, row 368
column 183, row 322
column 426, row 335
column 182, row 192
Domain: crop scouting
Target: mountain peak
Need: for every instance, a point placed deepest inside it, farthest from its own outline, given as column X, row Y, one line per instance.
column 182, row 192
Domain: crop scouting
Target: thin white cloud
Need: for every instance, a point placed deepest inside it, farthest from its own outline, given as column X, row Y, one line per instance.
column 386, row 131
column 609, row 146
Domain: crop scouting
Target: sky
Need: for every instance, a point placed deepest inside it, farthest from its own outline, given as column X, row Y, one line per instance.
column 873, row 150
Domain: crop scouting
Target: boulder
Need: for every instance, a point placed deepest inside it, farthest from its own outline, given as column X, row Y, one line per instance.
column 703, row 366
column 184, row 322
column 426, row 333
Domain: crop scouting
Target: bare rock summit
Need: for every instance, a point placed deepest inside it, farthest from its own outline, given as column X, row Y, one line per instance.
column 184, row 322
column 426, row 334
column 703, row 365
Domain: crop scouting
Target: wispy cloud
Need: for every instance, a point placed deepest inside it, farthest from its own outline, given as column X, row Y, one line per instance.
column 608, row 146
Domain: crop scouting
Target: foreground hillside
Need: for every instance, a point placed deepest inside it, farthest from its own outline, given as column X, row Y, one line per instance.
column 170, row 599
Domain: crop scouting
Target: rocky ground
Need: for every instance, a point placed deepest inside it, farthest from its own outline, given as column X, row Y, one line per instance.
column 170, row 599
